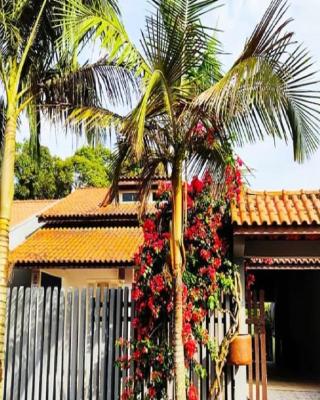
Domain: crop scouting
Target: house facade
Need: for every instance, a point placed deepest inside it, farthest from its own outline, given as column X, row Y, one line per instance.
column 277, row 244
column 24, row 221
column 83, row 244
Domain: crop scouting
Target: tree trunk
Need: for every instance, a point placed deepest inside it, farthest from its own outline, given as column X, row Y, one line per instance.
column 177, row 242
column 6, row 198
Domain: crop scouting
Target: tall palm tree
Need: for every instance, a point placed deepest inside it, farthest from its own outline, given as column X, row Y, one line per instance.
column 40, row 74
column 191, row 115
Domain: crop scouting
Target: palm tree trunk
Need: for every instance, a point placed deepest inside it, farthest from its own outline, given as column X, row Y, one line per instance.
column 6, row 198
column 177, row 264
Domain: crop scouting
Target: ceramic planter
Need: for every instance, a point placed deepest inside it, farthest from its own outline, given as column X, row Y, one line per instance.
column 240, row 350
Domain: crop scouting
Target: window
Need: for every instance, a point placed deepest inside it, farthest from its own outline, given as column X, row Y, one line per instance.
column 129, row 197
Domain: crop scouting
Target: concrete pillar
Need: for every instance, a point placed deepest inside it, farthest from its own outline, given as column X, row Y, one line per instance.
column 241, row 372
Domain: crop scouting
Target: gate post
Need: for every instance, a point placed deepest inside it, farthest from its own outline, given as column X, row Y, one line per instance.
column 240, row 376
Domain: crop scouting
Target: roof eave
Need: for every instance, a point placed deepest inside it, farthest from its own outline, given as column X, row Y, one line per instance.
column 258, row 230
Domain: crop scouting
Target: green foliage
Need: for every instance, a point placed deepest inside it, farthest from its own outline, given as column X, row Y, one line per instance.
column 91, row 166
column 53, row 177
column 48, row 179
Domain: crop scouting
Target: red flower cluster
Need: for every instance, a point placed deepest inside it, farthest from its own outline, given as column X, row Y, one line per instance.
column 250, row 281
column 153, row 288
column 157, row 284
column 233, row 178
column 192, row 393
column 197, row 185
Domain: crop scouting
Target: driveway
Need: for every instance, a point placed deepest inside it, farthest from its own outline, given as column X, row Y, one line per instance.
column 279, row 394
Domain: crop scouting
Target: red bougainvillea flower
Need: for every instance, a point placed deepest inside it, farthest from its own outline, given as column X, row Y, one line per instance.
column 186, row 330
column 199, row 128
column 187, row 312
column 152, row 392
column 157, row 284
column 160, row 358
column 207, row 178
column 190, row 347
column 205, row 254
column 190, row 202
column 250, row 281
column 198, row 315
column 137, row 258
column 127, row 394
column 211, row 273
column 136, row 355
column 166, row 235
column 149, row 225
column 163, row 187
column 170, row 306
column 184, row 293
column 158, row 245
column 136, row 293
column 139, row 373
column 152, row 307
column 149, row 259
column 197, row 185
column 135, row 323
column 217, row 263
column 192, row 393
column 239, row 161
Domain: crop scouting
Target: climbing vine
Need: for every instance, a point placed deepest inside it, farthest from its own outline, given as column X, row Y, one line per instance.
column 208, row 276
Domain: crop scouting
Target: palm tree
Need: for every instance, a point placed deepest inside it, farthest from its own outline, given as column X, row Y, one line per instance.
column 190, row 115
column 40, row 74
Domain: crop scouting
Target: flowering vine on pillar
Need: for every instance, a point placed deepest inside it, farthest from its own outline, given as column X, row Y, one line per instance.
column 208, row 274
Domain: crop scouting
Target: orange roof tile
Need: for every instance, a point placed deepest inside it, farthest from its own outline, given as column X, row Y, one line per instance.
column 25, row 209
column 277, row 208
column 86, row 203
column 279, row 263
column 79, row 246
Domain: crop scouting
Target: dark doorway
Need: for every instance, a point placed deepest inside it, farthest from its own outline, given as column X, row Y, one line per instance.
column 293, row 301
column 48, row 280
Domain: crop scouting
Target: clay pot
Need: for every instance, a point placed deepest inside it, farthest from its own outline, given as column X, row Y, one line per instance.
column 240, row 350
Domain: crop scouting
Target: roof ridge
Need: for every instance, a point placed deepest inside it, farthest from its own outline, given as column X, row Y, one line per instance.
column 88, row 228
column 35, row 200
column 250, row 191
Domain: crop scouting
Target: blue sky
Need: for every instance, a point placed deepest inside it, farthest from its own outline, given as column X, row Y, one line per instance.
column 273, row 166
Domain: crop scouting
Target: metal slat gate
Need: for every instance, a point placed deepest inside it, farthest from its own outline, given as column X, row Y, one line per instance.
column 62, row 345
column 257, row 371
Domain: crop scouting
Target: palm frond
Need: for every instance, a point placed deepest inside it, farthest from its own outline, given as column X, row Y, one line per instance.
column 175, row 39
column 34, row 119
column 212, row 158
column 265, row 92
column 100, row 21
column 121, row 155
column 150, row 166
column 89, row 85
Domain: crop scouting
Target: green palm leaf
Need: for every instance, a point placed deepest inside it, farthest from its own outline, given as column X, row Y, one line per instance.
column 265, row 90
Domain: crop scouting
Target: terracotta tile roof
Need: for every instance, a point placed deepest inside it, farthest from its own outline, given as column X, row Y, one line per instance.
column 86, row 203
column 279, row 263
column 137, row 178
column 277, row 208
column 25, row 209
column 76, row 246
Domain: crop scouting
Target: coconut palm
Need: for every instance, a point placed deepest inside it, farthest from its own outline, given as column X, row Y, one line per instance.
column 40, row 73
column 191, row 115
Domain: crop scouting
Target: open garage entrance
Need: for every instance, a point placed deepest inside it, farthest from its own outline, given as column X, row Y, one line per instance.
column 292, row 321
column 292, row 326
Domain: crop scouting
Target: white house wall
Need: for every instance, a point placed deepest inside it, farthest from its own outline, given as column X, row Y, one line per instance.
column 86, row 277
